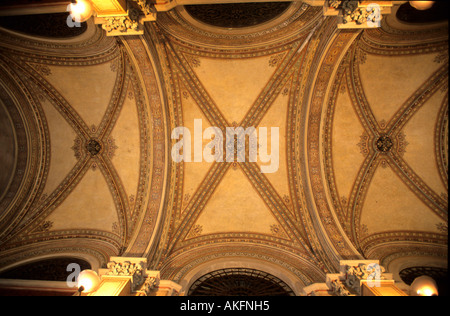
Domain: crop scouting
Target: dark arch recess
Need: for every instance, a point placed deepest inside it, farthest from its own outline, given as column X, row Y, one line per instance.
column 43, row 25
column 239, row 282
column 437, row 13
column 237, row 15
column 54, row 269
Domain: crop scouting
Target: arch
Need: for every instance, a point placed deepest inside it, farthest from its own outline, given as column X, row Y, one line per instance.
column 286, row 276
column 186, row 266
column 239, row 282
column 95, row 253
column 237, row 15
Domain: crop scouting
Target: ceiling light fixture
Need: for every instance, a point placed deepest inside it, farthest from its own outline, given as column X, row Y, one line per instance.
column 421, row 5
column 88, row 281
column 81, row 10
column 423, row 286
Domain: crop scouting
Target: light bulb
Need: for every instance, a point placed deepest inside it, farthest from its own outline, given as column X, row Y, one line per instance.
column 81, row 11
column 88, row 281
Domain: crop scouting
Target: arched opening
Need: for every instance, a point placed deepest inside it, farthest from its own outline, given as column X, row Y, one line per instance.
column 52, row 25
column 239, row 282
column 437, row 13
column 237, row 15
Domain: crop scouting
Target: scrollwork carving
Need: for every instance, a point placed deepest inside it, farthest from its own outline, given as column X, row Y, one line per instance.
column 352, row 12
column 363, row 272
column 123, row 23
column 149, row 286
column 135, row 270
column 338, row 288
column 146, row 7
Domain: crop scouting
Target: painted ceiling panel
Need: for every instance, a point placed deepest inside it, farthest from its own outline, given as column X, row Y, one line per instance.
column 89, row 206
column 391, row 206
column 194, row 172
column 89, row 96
column 347, row 155
column 277, row 117
column 62, row 139
column 420, row 131
column 401, row 76
column 124, row 146
column 234, row 84
column 235, row 206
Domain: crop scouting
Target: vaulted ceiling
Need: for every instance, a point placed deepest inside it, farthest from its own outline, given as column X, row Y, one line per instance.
column 86, row 125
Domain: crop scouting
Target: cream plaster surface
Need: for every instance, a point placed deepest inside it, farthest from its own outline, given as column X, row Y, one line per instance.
column 390, row 205
column 235, row 206
column 420, row 135
column 346, row 134
column 388, row 87
column 89, row 206
column 126, row 137
column 194, row 172
column 62, row 139
column 88, row 89
column 234, row 84
column 277, row 117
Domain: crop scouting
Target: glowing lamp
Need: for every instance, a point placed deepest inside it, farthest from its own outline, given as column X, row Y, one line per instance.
column 81, row 10
column 421, row 5
column 423, row 286
column 88, row 281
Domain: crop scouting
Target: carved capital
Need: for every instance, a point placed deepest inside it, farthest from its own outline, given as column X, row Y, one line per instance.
column 146, row 7
column 338, row 288
column 132, row 23
column 128, row 268
column 150, row 285
column 357, row 14
column 371, row 272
